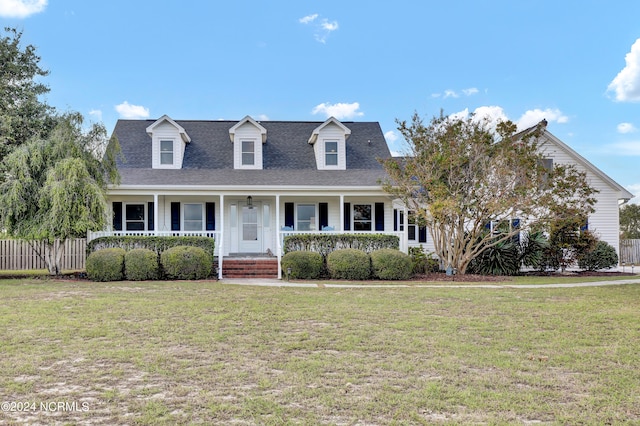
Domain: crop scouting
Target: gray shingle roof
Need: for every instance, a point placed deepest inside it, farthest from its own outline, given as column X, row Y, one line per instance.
column 288, row 158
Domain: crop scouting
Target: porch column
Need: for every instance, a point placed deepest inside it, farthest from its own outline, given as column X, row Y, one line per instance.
column 341, row 213
column 405, row 230
column 156, row 207
column 220, row 243
column 278, row 236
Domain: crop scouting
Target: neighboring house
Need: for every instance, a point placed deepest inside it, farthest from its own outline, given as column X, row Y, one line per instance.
column 249, row 183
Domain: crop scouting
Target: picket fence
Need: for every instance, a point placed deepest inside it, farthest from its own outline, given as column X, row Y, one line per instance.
column 20, row 255
column 630, row 252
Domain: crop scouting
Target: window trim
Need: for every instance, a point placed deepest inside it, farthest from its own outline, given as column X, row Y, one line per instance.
column 243, row 152
column 172, row 152
column 126, row 221
column 185, row 220
column 370, row 221
column 335, row 153
column 312, row 224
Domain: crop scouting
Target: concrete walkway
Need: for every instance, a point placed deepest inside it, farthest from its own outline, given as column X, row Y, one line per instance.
column 266, row 282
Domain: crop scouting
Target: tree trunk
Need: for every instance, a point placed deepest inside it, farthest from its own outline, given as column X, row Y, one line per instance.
column 53, row 256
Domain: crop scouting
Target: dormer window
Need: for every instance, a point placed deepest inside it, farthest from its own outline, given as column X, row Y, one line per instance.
column 331, row 153
column 247, row 137
column 329, row 142
column 166, row 152
column 248, row 153
column 168, row 143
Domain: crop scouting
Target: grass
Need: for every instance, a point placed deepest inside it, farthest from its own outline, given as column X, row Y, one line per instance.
column 206, row 353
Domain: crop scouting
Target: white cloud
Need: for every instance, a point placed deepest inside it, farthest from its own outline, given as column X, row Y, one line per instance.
column 322, row 28
column 96, row 113
column 630, row 148
column 626, row 84
column 450, row 94
column 128, row 111
column 626, row 128
column 391, row 136
column 262, row 117
column 491, row 115
column 635, row 190
column 340, row 111
column 534, row 116
column 470, row 91
column 21, row 8
column 307, row 19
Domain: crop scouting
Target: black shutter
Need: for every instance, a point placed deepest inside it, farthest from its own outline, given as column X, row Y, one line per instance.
column 379, row 212
column 395, row 220
column 175, row 216
column 117, row 216
column 151, row 216
column 422, row 234
column 211, row 216
column 288, row 215
column 347, row 216
column 324, row 215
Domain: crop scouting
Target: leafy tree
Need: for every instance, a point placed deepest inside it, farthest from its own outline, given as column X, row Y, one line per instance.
column 22, row 114
column 54, row 188
column 630, row 221
column 460, row 176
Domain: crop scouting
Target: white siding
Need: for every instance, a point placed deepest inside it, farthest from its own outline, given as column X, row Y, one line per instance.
column 330, row 132
column 166, row 131
column 245, row 132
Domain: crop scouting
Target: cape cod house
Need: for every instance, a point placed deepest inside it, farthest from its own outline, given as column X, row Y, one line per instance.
column 249, row 183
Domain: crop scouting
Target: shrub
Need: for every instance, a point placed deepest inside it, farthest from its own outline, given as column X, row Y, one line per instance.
column 603, row 256
column 349, row 264
column 186, row 263
column 304, row 264
column 106, row 265
column 421, row 262
column 500, row 259
column 389, row 264
column 141, row 264
column 157, row 244
column 326, row 243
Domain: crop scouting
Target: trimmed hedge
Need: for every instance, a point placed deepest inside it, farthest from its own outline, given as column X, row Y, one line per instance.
column 186, row 263
column 304, row 265
column 390, row 264
column 349, row 264
column 106, row 265
column 156, row 244
column 141, row 264
column 603, row 256
column 327, row 243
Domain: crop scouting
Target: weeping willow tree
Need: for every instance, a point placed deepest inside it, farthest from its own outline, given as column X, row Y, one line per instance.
column 54, row 188
column 461, row 176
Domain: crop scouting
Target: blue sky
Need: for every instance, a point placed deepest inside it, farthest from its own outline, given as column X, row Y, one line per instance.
column 575, row 63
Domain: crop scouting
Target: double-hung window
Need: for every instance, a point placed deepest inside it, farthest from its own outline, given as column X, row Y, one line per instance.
column 166, row 152
column 248, row 153
column 331, row 153
column 193, row 217
column 306, row 217
column 362, row 217
column 134, row 217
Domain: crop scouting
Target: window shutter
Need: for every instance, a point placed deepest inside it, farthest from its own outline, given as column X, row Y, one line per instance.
column 211, row 216
column 347, row 216
column 379, row 212
column 395, row 220
column 175, row 216
column 288, row 215
column 117, row 216
column 422, row 234
column 324, row 215
column 151, row 216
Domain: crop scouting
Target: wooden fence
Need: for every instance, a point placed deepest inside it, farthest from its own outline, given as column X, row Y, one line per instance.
column 20, row 255
column 630, row 252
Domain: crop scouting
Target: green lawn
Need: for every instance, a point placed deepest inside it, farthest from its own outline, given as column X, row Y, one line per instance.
column 206, row 353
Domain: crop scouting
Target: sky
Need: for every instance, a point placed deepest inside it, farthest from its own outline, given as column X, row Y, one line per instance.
column 575, row 63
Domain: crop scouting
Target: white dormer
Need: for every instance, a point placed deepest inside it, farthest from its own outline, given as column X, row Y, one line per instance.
column 330, row 146
column 168, row 141
column 247, row 137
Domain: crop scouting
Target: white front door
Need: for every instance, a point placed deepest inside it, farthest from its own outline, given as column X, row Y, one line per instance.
column 250, row 228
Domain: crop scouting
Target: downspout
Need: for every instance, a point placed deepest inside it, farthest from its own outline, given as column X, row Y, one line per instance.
column 220, row 243
column 278, row 236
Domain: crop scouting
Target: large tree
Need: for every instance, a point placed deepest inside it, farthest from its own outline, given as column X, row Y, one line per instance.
column 630, row 221
column 22, row 113
column 469, row 184
column 54, row 188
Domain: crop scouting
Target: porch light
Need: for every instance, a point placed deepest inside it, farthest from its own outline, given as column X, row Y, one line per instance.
column 250, row 201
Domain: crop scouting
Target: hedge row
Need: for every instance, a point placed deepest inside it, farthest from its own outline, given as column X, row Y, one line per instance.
column 326, row 243
column 348, row 264
column 156, row 244
column 180, row 262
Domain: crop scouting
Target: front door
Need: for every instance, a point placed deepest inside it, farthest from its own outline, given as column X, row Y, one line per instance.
column 250, row 228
